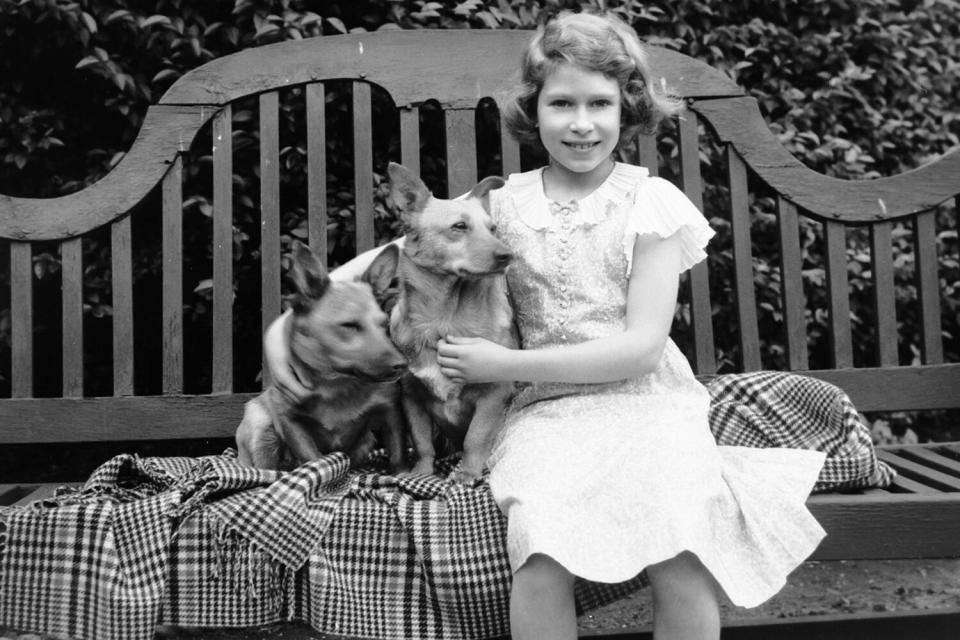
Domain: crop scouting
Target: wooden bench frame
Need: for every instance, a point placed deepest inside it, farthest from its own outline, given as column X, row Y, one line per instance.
column 918, row 517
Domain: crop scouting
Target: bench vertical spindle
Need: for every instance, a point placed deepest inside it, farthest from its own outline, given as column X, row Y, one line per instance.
column 461, row 150
column 791, row 285
column 172, row 282
column 746, row 300
column 121, row 261
column 410, row 138
column 928, row 287
column 270, row 208
column 838, row 294
column 363, row 165
column 21, row 319
column 71, row 274
column 222, row 367
column 881, row 260
column 700, row 308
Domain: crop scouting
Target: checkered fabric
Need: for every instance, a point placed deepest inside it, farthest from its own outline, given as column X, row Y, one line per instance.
column 777, row 409
column 206, row 542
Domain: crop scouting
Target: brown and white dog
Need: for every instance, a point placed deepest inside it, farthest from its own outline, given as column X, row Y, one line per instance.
column 338, row 345
column 450, row 283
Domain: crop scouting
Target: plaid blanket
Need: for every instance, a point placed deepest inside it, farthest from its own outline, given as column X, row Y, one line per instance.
column 776, row 409
column 356, row 554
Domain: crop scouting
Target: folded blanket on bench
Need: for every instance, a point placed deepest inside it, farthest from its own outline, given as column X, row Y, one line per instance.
column 207, row 542
column 777, row 409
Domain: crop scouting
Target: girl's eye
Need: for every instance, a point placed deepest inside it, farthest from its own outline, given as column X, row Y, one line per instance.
column 602, row 103
column 559, row 104
column 352, row 327
column 459, row 226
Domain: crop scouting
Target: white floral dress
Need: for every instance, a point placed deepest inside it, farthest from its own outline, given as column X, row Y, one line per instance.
column 610, row 478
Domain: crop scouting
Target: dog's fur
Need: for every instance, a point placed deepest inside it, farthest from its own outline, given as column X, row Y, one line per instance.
column 338, row 345
column 450, row 283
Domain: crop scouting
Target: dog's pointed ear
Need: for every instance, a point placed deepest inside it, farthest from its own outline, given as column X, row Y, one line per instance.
column 382, row 271
column 482, row 191
column 408, row 192
column 308, row 276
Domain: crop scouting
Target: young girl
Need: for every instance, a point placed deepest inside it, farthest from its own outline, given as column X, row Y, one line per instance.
column 606, row 465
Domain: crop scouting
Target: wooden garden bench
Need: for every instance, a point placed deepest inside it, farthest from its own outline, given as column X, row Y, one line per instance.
column 436, row 80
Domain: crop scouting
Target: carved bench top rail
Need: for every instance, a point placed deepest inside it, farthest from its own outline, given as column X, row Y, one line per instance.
column 457, row 68
column 738, row 121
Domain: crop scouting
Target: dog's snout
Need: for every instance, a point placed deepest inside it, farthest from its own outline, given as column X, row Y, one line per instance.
column 503, row 257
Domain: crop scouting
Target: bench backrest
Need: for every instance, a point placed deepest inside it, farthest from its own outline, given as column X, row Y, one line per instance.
column 232, row 109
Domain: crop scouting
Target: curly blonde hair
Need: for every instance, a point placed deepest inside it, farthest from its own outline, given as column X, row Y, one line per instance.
column 601, row 43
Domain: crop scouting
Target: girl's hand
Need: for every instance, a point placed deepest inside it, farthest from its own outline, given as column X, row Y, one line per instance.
column 277, row 356
column 472, row 359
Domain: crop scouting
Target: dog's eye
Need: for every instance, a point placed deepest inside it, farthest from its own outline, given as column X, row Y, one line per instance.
column 493, row 228
column 459, row 226
column 350, row 326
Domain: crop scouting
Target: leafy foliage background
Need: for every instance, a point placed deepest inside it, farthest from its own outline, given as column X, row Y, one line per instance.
column 855, row 90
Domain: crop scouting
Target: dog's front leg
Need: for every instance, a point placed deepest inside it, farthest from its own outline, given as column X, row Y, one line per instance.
column 258, row 445
column 393, row 434
column 421, row 432
column 485, row 424
column 299, row 441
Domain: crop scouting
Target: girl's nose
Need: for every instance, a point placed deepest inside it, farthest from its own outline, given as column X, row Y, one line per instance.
column 581, row 121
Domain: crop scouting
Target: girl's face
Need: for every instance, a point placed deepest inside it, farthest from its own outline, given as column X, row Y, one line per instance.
column 578, row 116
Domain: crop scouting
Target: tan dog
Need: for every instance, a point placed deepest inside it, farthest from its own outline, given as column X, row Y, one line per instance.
column 338, row 345
column 451, row 283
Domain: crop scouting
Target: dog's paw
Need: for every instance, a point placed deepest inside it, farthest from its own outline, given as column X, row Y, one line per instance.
column 465, row 477
column 422, row 467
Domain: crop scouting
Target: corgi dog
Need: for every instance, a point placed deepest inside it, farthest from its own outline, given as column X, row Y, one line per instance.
column 450, row 282
column 338, row 345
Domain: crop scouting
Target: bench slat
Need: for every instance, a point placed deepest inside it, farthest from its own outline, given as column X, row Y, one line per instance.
column 929, row 457
column 71, row 272
column 791, row 283
column 510, row 152
column 270, row 205
column 881, row 248
column 24, row 494
column 743, row 261
column 106, row 419
column 316, row 167
column 172, row 282
column 121, row 259
column 647, row 155
column 904, row 525
column 928, row 287
column 838, row 292
column 222, row 367
column 410, row 139
column 920, row 472
column 363, row 165
column 21, row 319
column 700, row 309
column 459, row 125
column 903, row 484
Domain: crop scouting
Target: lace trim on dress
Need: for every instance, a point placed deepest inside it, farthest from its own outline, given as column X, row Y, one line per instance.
column 533, row 206
column 655, row 206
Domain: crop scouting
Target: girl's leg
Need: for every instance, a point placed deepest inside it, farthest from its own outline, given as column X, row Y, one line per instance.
column 541, row 601
column 685, row 604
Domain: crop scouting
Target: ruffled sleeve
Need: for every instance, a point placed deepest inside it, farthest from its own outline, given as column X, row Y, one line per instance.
column 661, row 208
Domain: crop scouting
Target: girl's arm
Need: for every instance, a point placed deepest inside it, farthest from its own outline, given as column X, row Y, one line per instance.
column 651, row 300
column 276, row 354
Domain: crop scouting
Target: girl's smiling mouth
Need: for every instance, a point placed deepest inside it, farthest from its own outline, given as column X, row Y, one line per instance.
column 581, row 146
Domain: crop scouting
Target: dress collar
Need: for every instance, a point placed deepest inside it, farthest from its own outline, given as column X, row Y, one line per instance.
column 533, row 206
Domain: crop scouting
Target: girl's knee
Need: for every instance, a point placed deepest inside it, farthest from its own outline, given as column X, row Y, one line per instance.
column 681, row 578
column 542, row 571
